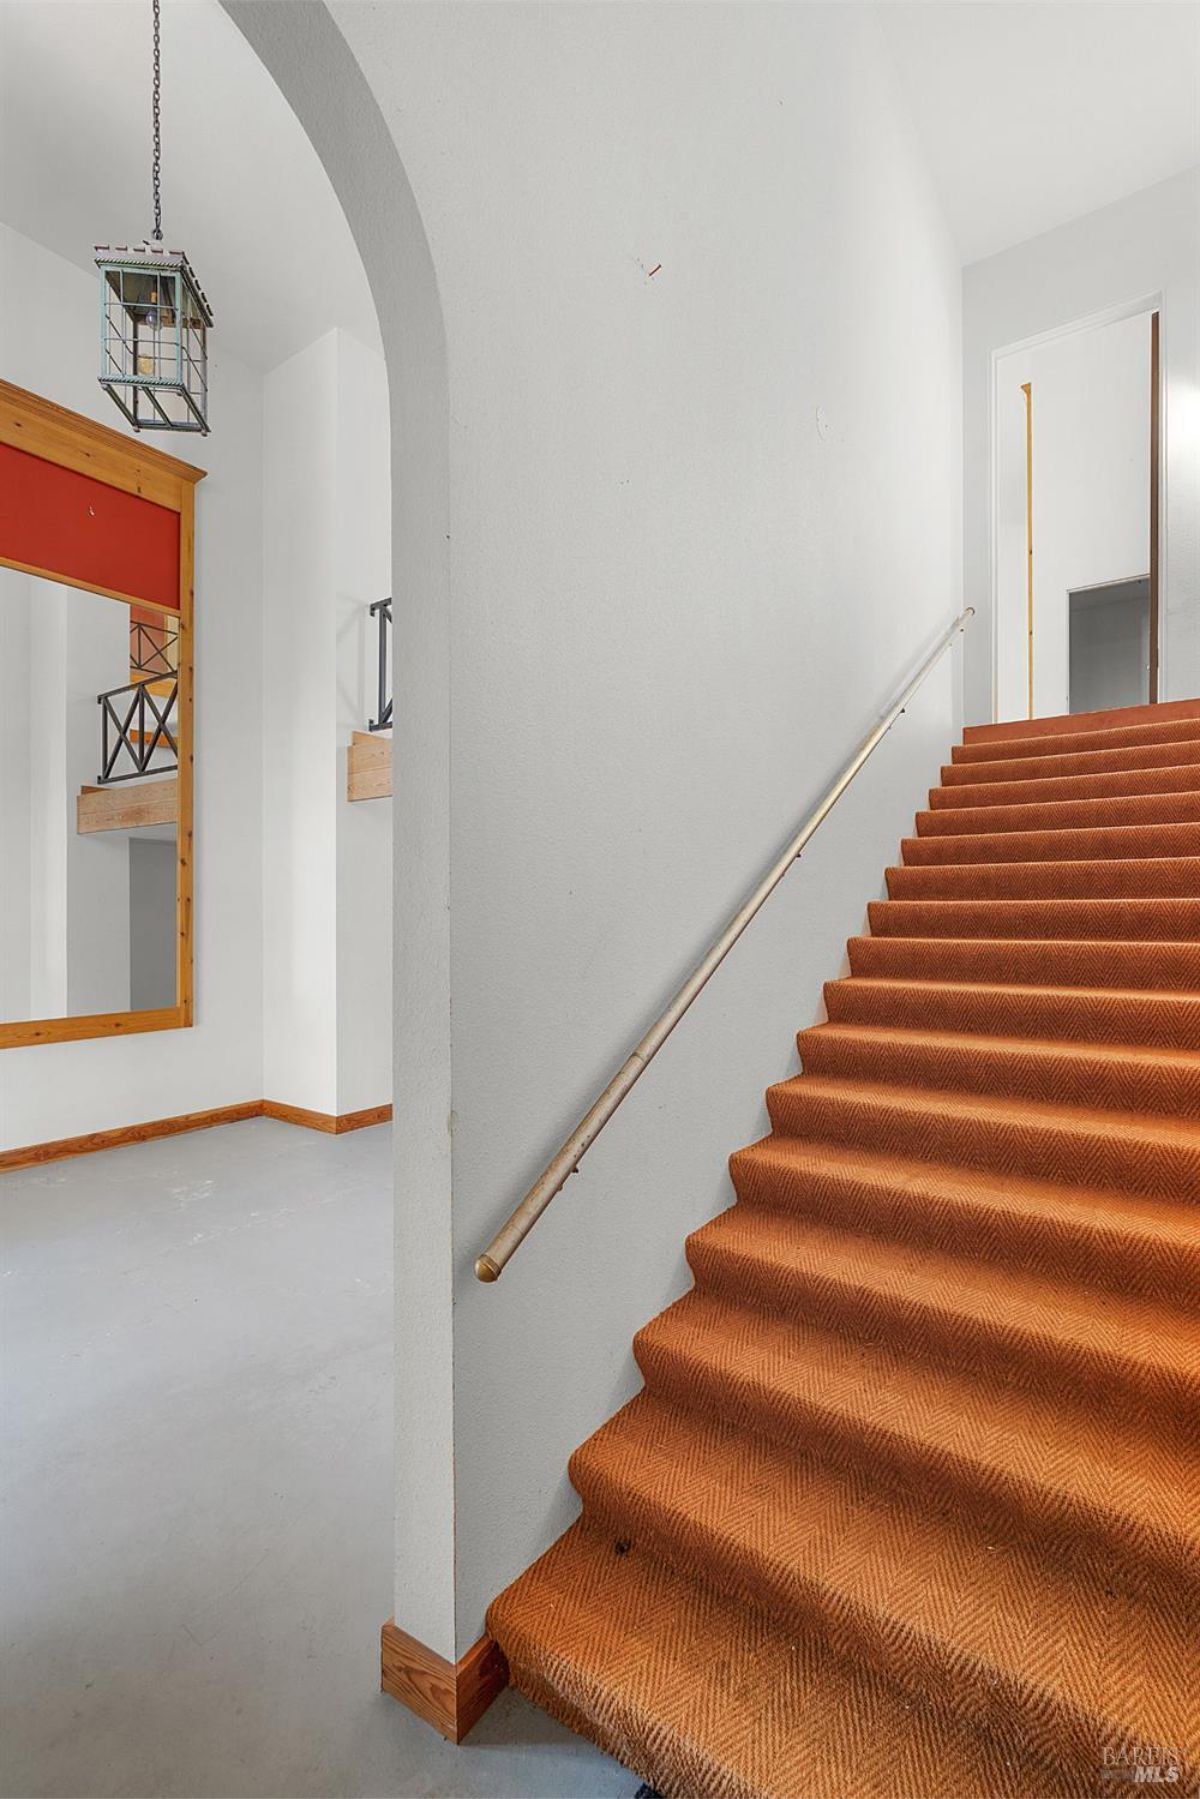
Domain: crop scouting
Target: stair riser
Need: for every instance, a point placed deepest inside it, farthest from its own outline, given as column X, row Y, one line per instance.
column 1121, row 784
column 1062, row 815
column 1053, row 768
column 1051, row 1148
column 964, row 1223
column 1148, row 967
column 994, row 1350
column 1087, row 1534
column 919, row 1663
column 1150, row 878
column 1040, row 920
column 1130, row 737
column 1076, row 845
column 1152, row 1021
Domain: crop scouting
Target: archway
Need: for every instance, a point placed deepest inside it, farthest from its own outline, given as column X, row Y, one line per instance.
column 299, row 44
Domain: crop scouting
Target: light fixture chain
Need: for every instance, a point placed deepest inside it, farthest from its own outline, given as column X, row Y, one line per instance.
column 157, row 165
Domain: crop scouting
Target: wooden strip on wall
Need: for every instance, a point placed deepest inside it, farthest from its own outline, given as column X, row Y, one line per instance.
column 334, row 1123
column 60, row 1148
column 1027, row 390
column 1155, row 494
column 36, row 1153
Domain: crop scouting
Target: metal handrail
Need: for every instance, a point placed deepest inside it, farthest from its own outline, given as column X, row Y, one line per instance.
column 382, row 610
column 561, row 1167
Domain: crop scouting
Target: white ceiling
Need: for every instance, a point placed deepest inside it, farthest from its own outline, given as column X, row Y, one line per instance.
column 243, row 190
column 1033, row 112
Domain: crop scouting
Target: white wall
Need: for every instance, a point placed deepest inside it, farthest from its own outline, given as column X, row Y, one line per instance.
column 326, row 863
column 699, row 523
column 47, row 344
column 1091, row 495
column 1146, row 247
column 299, row 853
column 363, row 538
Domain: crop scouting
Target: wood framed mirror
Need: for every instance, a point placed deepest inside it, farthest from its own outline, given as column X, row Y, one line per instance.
column 96, row 759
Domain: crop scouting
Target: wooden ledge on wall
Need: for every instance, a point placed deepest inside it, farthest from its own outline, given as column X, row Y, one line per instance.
column 368, row 767
column 451, row 1697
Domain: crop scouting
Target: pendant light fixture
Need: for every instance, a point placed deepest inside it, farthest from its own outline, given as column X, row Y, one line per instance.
column 154, row 318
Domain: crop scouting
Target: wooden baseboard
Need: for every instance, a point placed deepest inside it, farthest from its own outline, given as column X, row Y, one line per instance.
column 333, row 1122
column 451, row 1697
column 34, row 1153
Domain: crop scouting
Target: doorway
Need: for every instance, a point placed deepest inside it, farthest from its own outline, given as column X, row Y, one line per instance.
column 1076, row 497
column 1109, row 646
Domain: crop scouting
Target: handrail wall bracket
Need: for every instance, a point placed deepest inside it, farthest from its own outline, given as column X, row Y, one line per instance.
column 490, row 1265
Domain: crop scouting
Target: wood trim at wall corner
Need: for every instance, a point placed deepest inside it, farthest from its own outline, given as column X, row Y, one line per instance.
column 336, row 1123
column 59, row 1149
column 452, row 1697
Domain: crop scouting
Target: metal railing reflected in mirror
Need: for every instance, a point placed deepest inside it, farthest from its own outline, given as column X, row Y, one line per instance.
column 381, row 612
column 133, row 734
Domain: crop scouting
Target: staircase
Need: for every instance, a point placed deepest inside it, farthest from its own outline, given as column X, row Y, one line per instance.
column 909, row 1504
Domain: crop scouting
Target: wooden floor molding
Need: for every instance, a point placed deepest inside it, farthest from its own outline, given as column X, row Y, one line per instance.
column 32, row 1154
column 451, row 1697
column 334, row 1123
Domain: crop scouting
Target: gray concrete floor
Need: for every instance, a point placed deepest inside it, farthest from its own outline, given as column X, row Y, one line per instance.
column 196, row 1528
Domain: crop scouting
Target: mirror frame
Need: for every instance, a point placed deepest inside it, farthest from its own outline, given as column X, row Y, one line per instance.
column 67, row 440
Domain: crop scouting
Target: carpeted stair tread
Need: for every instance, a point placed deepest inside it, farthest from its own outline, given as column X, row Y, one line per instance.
column 1077, row 843
column 1074, row 1144
column 1116, row 737
column 918, row 1594
column 1084, row 723
column 1151, row 877
column 610, row 1641
column 1030, row 1326
column 1135, row 1245
column 1107, row 1489
column 1060, row 815
column 1072, row 762
column 1061, row 962
column 1119, row 784
column 1063, row 1014
column 1141, row 920
column 1095, row 1075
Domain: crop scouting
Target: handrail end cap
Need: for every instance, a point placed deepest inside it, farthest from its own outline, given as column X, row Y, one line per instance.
column 486, row 1270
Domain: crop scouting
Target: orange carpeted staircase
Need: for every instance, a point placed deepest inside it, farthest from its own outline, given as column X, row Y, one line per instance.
column 909, row 1506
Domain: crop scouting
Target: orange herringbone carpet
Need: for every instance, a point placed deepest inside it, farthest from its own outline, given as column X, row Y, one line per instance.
column 909, row 1505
